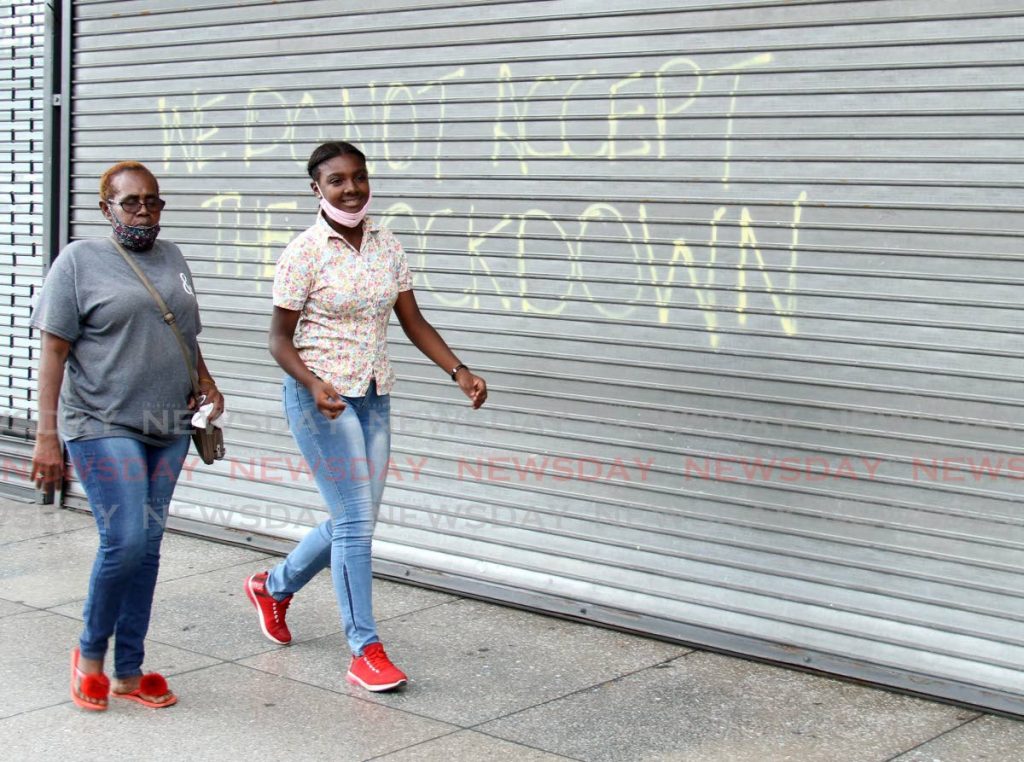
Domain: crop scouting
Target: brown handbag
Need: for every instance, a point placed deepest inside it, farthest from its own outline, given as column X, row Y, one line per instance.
column 209, row 441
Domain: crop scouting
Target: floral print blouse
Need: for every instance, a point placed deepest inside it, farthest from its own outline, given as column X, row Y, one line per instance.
column 345, row 300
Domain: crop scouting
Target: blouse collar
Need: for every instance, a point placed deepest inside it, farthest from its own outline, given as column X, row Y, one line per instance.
column 369, row 226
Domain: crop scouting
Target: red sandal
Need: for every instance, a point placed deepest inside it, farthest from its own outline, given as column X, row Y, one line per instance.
column 152, row 684
column 89, row 686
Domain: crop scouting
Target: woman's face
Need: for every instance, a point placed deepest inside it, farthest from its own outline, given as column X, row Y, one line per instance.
column 132, row 187
column 344, row 182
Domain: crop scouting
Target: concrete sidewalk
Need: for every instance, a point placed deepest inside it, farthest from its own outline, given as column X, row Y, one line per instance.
column 488, row 682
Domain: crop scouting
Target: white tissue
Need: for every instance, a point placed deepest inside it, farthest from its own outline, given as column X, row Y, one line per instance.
column 202, row 417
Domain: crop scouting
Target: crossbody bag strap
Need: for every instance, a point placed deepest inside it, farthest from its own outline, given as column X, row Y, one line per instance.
column 167, row 315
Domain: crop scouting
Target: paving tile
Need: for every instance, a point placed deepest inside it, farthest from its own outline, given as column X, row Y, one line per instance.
column 8, row 607
column 469, row 746
column 394, row 599
column 984, row 739
column 37, row 654
column 705, row 707
column 210, row 613
column 54, row 569
column 23, row 521
column 469, row 661
column 224, row 712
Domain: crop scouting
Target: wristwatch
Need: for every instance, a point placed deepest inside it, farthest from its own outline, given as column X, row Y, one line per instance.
column 456, row 369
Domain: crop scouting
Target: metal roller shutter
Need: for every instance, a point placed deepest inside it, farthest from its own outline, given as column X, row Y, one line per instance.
column 22, row 258
column 744, row 278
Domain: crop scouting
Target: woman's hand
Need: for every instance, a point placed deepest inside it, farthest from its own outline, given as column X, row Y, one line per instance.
column 209, row 393
column 472, row 386
column 47, row 461
column 328, row 401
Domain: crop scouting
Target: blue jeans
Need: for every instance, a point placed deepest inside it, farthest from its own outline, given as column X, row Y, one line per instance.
column 348, row 457
column 129, row 485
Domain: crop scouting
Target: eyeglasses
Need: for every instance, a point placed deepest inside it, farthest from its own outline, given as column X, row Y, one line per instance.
column 133, row 204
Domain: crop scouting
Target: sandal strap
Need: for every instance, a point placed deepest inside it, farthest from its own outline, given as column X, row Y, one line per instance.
column 153, row 684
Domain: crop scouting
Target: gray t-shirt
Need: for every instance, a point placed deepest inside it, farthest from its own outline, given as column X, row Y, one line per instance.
column 125, row 375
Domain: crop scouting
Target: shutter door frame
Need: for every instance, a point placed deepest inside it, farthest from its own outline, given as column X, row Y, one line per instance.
column 33, row 63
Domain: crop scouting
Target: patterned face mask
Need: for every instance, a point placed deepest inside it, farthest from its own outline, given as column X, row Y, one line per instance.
column 134, row 237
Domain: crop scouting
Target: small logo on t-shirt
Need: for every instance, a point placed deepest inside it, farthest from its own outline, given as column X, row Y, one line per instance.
column 184, row 283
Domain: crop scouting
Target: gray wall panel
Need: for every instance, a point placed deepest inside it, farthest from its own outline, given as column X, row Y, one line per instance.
column 744, row 279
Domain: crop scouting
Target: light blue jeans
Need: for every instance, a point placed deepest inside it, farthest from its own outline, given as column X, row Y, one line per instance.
column 129, row 485
column 348, row 457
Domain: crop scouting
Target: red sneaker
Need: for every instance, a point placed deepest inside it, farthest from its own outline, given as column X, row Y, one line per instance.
column 374, row 670
column 271, row 610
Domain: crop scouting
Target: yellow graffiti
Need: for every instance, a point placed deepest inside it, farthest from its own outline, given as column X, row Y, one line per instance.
column 189, row 143
column 783, row 308
column 423, row 237
column 507, row 99
column 441, row 84
column 513, row 109
column 350, row 122
column 269, row 236
column 758, row 60
column 615, row 115
column 228, row 227
column 531, row 94
column 474, row 242
column 656, row 276
column 663, row 111
column 392, row 95
column 293, row 117
column 728, row 132
column 596, row 212
column 702, row 290
column 272, row 238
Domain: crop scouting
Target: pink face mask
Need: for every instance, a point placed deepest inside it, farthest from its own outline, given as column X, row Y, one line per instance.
column 348, row 219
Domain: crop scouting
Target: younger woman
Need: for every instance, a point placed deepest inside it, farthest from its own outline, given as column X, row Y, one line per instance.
column 334, row 290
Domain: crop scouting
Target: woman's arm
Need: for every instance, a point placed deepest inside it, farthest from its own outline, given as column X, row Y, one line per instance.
column 48, row 455
column 426, row 339
column 282, row 349
column 208, row 387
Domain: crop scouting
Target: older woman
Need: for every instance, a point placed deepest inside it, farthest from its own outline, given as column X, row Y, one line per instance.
column 124, row 400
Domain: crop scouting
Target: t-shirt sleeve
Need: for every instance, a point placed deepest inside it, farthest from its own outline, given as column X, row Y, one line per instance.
column 293, row 278
column 58, row 311
column 195, row 298
column 402, row 274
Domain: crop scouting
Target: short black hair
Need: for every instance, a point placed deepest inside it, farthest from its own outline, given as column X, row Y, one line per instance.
column 327, row 151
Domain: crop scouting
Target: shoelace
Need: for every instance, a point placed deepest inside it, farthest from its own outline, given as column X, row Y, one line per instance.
column 280, row 607
column 376, row 659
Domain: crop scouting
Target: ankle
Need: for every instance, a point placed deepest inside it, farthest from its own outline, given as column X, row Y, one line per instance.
column 90, row 666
